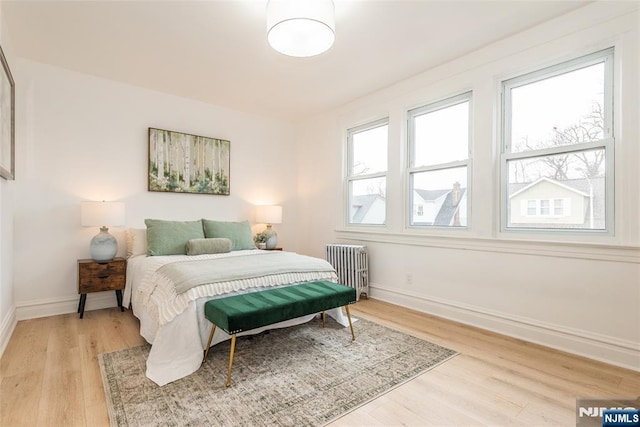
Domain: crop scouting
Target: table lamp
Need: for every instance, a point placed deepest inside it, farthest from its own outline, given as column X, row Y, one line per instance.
column 269, row 215
column 102, row 214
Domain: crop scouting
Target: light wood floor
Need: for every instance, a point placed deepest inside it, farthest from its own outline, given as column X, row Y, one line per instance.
column 49, row 375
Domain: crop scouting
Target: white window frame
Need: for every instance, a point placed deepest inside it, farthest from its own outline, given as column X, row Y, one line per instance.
column 411, row 169
column 606, row 143
column 350, row 178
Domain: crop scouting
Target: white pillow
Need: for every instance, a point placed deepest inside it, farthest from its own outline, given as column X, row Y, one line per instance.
column 136, row 241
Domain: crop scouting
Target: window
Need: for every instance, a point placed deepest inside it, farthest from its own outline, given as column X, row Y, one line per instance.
column 544, row 207
column 558, row 207
column 439, row 162
column 367, row 173
column 558, row 147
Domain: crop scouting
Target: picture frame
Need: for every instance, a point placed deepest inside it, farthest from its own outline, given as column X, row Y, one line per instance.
column 184, row 163
column 7, row 121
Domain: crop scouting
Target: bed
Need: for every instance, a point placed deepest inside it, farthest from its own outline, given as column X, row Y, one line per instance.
column 171, row 313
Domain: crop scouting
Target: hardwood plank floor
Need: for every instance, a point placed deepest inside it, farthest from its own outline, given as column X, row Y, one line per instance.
column 49, row 375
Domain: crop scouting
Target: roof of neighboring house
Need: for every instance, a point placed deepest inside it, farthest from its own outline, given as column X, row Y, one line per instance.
column 448, row 209
column 362, row 204
column 427, row 195
column 563, row 184
column 581, row 185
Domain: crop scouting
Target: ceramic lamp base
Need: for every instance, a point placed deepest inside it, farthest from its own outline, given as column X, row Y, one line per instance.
column 272, row 237
column 103, row 246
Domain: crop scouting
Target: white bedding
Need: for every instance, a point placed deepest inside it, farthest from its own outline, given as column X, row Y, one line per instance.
column 175, row 324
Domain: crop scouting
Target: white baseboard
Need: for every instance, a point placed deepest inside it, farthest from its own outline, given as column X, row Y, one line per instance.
column 7, row 327
column 55, row 306
column 606, row 349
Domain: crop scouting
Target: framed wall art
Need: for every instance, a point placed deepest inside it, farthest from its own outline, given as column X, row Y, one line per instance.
column 184, row 163
column 7, row 121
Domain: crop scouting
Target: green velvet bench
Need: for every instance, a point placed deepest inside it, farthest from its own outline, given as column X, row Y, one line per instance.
column 253, row 310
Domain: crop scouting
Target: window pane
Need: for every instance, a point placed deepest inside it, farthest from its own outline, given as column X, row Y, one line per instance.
column 369, row 151
column 440, row 198
column 575, row 183
column 367, row 201
column 544, row 207
column 558, row 207
column 442, row 136
column 562, row 110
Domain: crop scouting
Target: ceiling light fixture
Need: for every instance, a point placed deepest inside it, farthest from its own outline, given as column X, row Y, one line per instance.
column 300, row 28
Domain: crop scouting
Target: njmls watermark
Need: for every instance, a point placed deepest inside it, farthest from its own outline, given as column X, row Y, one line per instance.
column 608, row 412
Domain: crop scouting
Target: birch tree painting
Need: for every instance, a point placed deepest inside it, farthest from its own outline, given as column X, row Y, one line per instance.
column 183, row 163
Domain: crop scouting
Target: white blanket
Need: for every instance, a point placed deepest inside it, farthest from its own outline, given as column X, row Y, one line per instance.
column 175, row 324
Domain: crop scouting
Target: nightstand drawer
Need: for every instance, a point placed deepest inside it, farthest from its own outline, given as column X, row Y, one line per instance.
column 100, row 283
column 97, row 269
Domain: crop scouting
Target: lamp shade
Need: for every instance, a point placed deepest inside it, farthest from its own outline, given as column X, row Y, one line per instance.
column 269, row 214
column 301, row 28
column 102, row 213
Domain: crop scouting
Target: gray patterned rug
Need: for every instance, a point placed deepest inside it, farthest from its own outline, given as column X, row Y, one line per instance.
column 299, row 376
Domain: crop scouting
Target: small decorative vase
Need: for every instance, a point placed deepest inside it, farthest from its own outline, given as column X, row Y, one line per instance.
column 262, row 245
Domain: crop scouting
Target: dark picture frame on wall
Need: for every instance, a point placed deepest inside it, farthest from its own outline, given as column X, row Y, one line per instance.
column 7, row 121
column 185, row 163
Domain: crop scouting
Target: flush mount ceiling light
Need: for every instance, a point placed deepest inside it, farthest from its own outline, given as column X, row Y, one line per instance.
column 300, row 28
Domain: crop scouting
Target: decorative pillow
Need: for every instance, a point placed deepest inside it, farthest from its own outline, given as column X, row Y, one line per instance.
column 214, row 245
column 171, row 237
column 136, row 241
column 238, row 232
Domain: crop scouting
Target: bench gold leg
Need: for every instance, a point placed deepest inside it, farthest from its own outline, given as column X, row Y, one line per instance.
column 324, row 319
column 353, row 337
column 233, row 347
column 206, row 352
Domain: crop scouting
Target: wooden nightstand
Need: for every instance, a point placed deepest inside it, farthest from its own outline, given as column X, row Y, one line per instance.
column 98, row 276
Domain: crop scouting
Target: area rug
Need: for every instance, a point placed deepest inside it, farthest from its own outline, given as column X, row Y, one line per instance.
column 304, row 375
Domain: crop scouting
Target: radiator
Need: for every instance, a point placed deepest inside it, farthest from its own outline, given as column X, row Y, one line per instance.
column 352, row 266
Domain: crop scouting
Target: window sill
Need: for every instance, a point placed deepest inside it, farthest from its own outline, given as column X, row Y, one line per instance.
column 577, row 250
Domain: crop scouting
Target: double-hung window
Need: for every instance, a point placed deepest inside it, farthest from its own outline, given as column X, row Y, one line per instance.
column 367, row 173
column 439, row 163
column 557, row 154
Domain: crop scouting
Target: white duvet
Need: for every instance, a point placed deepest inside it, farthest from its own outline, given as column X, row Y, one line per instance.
column 175, row 324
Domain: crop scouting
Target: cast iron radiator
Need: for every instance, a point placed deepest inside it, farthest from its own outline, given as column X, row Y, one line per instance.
column 351, row 264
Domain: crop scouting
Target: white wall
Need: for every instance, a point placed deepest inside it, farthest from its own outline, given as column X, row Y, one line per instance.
column 85, row 138
column 574, row 293
column 7, row 306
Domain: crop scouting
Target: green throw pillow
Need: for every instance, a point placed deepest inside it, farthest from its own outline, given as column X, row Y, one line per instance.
column 214, row 245
column 171, row 237
column 238, row 232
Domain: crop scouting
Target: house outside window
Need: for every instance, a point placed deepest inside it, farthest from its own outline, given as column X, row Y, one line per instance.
column 367, row 173
column 558, row 147
column 438, row 139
